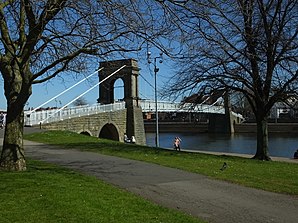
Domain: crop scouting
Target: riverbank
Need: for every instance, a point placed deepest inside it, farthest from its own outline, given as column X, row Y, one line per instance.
column 240, row 170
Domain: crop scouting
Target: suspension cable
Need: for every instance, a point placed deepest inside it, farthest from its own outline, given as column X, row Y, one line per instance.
column 65, row 91
column 147, row 81
column 85, row 92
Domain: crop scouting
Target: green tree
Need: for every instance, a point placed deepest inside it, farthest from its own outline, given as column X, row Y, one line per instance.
column 42, row 39
column 246, row 46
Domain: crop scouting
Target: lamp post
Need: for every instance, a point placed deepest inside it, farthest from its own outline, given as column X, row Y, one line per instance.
column 156, row 69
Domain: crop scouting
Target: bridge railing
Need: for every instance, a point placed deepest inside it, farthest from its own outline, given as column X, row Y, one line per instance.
column 53, row 115
column 149, row 106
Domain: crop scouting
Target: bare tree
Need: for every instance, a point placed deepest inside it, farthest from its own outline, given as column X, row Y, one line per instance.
column 80, row 101
column 247, row 46
column 42, row 39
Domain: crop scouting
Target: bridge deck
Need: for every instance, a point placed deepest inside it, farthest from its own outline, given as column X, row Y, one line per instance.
column 54, row 115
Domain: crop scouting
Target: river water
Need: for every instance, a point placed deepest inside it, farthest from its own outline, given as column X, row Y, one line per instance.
column 280, row 145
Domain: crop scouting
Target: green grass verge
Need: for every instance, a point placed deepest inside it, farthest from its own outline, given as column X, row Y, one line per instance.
column 280, row 177
column 48, row 193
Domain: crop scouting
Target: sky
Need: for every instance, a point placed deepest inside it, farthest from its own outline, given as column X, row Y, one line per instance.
column 46, row 91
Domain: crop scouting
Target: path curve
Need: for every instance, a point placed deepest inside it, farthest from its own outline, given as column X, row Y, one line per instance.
column 212, row 200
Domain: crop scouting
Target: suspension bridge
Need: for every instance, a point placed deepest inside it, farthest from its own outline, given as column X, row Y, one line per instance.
column 109, row 119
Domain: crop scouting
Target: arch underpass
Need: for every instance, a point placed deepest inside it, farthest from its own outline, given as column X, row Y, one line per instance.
column 109, row 131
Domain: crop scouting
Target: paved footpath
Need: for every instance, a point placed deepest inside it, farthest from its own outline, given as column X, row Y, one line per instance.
column 211, row 200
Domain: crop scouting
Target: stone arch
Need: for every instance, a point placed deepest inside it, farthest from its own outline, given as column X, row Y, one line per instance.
column 109, row 131
column 129, row 74
column 87, row 133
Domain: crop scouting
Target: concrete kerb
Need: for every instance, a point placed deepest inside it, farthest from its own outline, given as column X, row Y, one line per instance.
column 248, row 156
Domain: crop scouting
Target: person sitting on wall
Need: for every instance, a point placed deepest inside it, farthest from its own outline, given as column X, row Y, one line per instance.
column 133, row 139
column 126, row 139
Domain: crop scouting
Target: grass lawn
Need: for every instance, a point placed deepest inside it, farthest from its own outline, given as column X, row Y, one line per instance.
column 275, row 176
column 48, row 193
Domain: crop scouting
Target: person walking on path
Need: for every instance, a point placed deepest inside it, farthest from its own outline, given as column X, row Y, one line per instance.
column 177, row 142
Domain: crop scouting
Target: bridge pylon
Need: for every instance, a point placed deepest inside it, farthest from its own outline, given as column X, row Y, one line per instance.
column 129, row 75
column 223, row 123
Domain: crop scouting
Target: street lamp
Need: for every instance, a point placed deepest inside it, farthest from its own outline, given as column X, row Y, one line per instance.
column 156, row 69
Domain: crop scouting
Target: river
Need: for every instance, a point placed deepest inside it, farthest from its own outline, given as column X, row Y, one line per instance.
column 280, row 145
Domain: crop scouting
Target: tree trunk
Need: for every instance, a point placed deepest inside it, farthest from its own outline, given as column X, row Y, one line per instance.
column 17, row 91
column 262, row 140
column 12, row 156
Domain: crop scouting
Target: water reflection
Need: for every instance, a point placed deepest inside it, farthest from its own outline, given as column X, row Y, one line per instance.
column 282, row 145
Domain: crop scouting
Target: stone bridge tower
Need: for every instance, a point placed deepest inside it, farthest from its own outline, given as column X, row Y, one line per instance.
column 223, row 123
column 129, row 75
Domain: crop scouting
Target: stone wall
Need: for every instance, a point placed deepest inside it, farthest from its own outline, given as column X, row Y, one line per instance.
column 167, row 127
column 93, row 124
column 291, row 128
column 139, row 129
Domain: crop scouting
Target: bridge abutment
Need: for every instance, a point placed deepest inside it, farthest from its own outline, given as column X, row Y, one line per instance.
column 134, row 122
